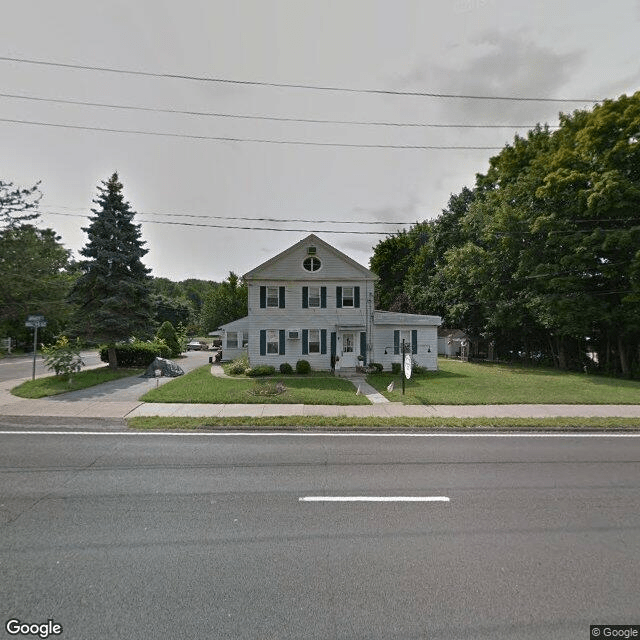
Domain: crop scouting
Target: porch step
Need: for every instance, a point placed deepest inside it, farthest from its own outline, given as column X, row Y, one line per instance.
column 345, row 372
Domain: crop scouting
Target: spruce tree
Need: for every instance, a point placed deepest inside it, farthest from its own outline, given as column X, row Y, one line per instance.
column 112, row 292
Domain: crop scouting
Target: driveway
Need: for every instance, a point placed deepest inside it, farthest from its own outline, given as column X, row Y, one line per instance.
column 130, row 389
column 113, row 399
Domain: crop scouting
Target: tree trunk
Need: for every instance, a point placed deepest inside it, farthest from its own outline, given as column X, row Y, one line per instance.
column 624, row 359
column 113, row 360
column 562, row 354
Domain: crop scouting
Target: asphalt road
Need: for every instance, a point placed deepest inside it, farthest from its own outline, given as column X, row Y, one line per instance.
column 205, row 536
column 18, row 367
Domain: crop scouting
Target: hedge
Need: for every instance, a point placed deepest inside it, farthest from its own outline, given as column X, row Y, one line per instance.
column 137, row 354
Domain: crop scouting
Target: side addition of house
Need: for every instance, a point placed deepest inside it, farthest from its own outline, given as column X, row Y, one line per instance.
column 312, row 302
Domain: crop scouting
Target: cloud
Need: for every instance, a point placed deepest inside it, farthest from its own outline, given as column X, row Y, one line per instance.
column 497, row 64
column 389, row 213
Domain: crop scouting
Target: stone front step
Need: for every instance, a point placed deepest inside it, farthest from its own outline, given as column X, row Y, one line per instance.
column 345, row 372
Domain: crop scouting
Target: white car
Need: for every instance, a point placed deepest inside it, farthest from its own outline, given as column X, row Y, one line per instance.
column 195, row 345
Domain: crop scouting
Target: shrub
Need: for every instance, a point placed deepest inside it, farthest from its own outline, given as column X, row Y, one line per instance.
column 239, row 366
column 416, row 368
column 303, row 366
column 261, row 370
column 377, row 366
column 63, row 357
column 136, row 354
column 286, row 368
column 396, row 368
column 167, row 333
column 267, row 388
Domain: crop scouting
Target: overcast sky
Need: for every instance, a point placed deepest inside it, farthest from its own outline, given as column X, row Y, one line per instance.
column 543, row 49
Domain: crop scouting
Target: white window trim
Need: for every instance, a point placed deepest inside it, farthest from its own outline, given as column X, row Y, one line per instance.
column 276, row 333
column 314, row 342
column 314, row 306
column 231, row 341
column 345, row 297
column 271, row 299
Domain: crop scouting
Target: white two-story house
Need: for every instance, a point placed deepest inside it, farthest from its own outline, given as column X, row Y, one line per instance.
column 312, row 302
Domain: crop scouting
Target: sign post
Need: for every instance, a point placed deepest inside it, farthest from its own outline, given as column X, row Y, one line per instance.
column 35, row 322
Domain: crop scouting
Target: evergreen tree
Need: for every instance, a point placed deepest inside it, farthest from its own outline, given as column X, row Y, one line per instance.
column 168, row 333
column 112, row 292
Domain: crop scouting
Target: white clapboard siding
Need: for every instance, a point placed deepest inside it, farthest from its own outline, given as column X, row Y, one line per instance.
column 383, row 339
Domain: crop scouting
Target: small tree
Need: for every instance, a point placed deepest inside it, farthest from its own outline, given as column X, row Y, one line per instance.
column 112, row 292
column 170, row 337
column 63, row 357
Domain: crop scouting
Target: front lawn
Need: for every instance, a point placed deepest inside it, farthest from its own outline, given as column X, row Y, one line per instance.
column 54, row 385
column 486, row 383
column 200, row 386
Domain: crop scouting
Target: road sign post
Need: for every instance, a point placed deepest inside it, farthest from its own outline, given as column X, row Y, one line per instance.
column 35, row 322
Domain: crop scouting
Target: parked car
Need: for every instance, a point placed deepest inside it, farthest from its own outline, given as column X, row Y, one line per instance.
column 195, row 345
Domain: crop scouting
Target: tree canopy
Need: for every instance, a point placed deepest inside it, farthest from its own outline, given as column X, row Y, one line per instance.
column 542, row 256
column 34, row 264
column 224, row 303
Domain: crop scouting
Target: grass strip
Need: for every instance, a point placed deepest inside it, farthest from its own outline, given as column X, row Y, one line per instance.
column 298, row 423
column 199, row 386
column 462, row 383
column 54, row 385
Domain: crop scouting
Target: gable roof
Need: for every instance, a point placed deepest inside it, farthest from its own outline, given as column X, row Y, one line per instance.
column 311, row 238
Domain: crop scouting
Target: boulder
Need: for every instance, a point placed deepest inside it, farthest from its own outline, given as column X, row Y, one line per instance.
column 167, row 368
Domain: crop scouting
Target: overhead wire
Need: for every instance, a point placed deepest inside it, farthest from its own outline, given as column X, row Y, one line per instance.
column 254, row 140
column 375, row 123
column 290, row 85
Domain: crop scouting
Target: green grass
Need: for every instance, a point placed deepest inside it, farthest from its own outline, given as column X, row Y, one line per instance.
column 201, row 387
column 299, row 423
column 472, row 383
column 54, row 385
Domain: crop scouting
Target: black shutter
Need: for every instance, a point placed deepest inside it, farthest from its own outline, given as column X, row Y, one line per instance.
column 305, row 342
column 338, row 297
column 363, row 346
column 356, row 297
column 305, row 297
column 281, row 298
column 263, row 342
column 323, row 298
column 323, row 341
column 263, row 297
column 333, row 343
column 396, row 342
column 282, row 336
column 414, row 341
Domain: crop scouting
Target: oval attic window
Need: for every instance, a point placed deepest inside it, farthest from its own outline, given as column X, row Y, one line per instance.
column 311, row 263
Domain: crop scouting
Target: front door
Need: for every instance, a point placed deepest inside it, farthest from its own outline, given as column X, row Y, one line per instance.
column 348, row 353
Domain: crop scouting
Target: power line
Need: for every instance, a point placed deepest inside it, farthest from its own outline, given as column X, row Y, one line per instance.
column 256, row 140
column 221, row 226
column 287, row 85
column 246, row 228
column 212, row 217
column 375, row 123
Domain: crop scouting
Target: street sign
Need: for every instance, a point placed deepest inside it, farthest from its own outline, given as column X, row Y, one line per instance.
column 407, row 366
column 35, row 322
